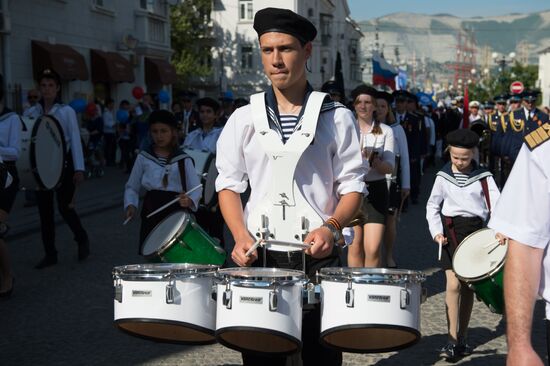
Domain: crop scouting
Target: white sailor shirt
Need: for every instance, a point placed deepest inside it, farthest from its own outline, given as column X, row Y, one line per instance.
column 523, row 211
column 199, row 140
column 449, row 199
column 148, row 172
column 401, row 149
column 9, row 178
column 383, row 144
column 329, row 168
column 66, row 117
column 10, row 136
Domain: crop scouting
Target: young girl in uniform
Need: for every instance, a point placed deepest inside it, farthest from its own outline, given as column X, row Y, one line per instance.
column 377, row 145
column 165, row 172
column 462, row 194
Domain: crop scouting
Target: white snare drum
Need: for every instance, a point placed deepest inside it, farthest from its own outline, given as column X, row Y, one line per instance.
column 42, row 153
column 205, row 165
column 166, row 302
column 260, row 310
column 367, row 310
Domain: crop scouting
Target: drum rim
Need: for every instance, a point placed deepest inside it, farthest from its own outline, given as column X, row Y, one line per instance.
column 292, row 276
column 182, row 270
column 486, row 275
column 164, row 247
column 366, row 275
column 32, row 152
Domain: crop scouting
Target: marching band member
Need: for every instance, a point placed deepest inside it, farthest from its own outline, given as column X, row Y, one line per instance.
column 73, row 172
column 527, row 269
column 165, row 172
column 205, row 137
column 463, row 193
column 377, row 145
column 400, row 180
column 10, row 147
column 328, row 174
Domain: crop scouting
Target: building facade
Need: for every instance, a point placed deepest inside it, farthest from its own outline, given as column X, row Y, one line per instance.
column 236, row 60
column 100, row 48
column 544, row 75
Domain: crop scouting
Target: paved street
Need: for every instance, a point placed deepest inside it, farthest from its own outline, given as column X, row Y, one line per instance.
column 63, row 315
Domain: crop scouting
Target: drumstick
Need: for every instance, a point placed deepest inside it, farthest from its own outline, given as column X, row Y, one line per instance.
column 440, row 241
column 127, row 220
column 173, row 201
column 491, row 244
column 253, row 247
column 302, row 246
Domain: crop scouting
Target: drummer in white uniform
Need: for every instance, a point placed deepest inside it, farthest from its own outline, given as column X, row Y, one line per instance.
column 10, row 147
column 206, row 137
column 328, row 174
column 73, row 172
column 523, row 215
column 463, row 194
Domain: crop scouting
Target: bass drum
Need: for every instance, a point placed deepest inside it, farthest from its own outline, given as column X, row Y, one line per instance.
column 43, row 150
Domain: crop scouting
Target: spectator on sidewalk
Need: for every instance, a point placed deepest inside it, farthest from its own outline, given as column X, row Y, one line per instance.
column 109, row 132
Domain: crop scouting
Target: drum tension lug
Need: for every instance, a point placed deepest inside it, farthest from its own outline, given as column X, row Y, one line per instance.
column 405, row 299
column 350, row 296
column 273, row 300
column 227, row 295
column 170, row 291
column 118, row 290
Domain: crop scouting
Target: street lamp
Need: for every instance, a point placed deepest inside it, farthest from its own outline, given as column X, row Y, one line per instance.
column 502, row 60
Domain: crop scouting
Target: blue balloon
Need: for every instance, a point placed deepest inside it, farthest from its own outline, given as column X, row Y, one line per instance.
column 79, row 105
column 164, row 97
column 122, row 115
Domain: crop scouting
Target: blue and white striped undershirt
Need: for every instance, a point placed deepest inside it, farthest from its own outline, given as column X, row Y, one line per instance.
column 288, row 124
column 461, row 178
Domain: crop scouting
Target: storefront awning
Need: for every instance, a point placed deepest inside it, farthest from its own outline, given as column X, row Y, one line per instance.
column 64, row 60
column 159, row 71
column 110, row 67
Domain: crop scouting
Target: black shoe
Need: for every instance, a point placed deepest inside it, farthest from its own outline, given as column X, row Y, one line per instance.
column 449, row 352
column 464, row 349
column 83, row 250
column 47, row 261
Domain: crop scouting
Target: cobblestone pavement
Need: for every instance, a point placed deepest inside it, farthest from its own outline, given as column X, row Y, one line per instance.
column 63, row 315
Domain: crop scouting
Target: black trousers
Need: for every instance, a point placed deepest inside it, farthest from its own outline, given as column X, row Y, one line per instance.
column 547, row 322
column 313, row 353
column 109, row 148
column 64, row 196
column 415, row 179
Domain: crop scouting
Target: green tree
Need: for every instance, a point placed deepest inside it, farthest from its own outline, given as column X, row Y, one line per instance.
column 190, row 37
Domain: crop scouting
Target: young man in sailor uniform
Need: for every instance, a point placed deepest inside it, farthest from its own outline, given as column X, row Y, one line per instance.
column 523, row 215
column 317, row 142
column 10, row 147
column 73, row 172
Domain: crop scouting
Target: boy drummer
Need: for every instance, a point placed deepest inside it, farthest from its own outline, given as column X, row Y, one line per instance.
column 328, row 175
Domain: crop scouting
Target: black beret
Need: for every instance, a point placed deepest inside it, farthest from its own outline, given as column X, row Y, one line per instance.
column 331, row 87
column 412, row 97
column 385, row 95
column 163, row 116
column 284, row 21
column 363, row 89
column 208, row 102
column 463, row 137
column 49, row 74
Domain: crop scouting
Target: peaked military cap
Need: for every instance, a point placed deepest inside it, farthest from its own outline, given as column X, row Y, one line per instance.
column 284, row 21
column 463, row 137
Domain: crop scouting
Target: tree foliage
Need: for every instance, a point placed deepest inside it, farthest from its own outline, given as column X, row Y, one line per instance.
column 190, row 37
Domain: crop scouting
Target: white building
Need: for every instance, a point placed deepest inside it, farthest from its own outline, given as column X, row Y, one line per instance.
column 236, row 58
column 544, row 75
column 100, row 48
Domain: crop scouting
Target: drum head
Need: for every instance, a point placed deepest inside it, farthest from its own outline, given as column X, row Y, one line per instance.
column 200, row 159
column 370, row 338
column 164, row 232
column 262, row 274
column 472, row 260
column 47, row 152
column 371, row 275
column 166, row 331
column 161, row 270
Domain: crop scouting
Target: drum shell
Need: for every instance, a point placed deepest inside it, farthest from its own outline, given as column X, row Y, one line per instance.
column 145, row 301
column 491, row 291
column 377, row 316
column 256, row 317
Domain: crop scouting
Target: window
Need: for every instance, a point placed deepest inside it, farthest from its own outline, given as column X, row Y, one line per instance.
column 325, row 25
column 245, row 10
column 246, row 57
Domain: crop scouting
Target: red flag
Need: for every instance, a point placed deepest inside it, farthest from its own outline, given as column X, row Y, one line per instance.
column 466, row 115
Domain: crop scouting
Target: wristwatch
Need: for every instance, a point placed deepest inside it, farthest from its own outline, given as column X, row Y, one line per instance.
column 336, row 234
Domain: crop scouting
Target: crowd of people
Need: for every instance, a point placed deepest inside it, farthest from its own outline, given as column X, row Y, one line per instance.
column 359, row 172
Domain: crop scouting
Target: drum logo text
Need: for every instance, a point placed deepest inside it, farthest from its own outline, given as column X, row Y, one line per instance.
column 141, row 293
column 379, row 298
column 252, row 300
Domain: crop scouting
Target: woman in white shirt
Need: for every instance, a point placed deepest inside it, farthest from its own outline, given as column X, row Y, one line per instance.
column 377, row 146
column 400, row 178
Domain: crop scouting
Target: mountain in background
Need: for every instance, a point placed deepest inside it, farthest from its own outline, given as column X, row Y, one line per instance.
column 433, row 38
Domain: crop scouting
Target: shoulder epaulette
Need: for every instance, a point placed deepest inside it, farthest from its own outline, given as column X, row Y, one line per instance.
column 538, row 136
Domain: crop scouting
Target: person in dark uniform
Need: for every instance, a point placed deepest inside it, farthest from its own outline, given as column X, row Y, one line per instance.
column 73, row 173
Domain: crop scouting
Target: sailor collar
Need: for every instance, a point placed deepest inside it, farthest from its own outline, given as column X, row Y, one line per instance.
column 477, row 173
column 178, row 155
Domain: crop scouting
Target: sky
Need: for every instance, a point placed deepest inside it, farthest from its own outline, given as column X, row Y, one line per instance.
column 369, row 9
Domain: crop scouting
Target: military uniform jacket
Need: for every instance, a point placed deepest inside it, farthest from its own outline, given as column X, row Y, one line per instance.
column 415, row 132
